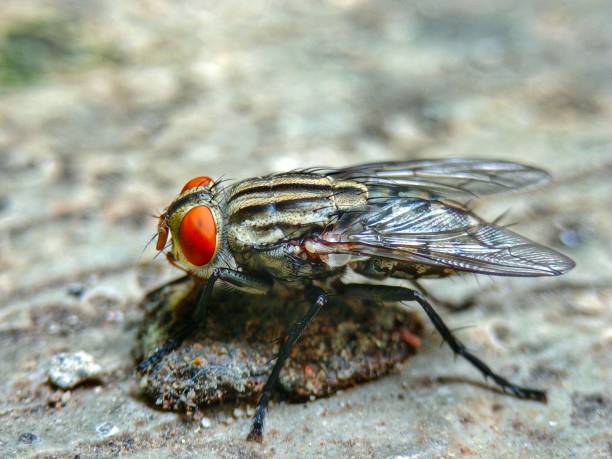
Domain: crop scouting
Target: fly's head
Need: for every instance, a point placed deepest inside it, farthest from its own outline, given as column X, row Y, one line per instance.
column 193, row 224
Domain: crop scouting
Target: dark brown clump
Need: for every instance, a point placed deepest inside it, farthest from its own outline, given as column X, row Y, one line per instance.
column 348, row 343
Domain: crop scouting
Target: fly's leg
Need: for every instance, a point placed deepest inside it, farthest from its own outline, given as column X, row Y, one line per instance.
column 318, row 298
column 170, row 345
column 454, row 307
column 372, row 269
column 178, row 280
column 388, row 293
column 237, row 280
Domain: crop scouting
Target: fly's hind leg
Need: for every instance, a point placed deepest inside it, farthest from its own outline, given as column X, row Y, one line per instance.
column 319, row 299
column 237, row 280
column 389, row 293
column 179, row 330
column 379, row 269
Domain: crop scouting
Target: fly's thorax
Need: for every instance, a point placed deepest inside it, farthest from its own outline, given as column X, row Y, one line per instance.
column 195, row 223
column 270, row 210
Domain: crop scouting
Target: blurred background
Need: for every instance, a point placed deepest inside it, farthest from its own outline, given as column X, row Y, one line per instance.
column 107, row 108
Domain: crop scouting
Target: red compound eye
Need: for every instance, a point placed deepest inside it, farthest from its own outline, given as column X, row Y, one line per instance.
column 198, row 181
column 198, row 235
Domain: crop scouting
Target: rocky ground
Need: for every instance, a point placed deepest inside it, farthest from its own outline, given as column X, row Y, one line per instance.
column 107, row 108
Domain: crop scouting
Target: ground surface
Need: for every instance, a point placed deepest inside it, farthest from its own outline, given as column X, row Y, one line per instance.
column 107, row 108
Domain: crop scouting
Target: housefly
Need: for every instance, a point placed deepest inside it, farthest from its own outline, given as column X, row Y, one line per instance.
column 304, row 229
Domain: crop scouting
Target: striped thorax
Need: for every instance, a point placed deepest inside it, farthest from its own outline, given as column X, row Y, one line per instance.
column 271, row 210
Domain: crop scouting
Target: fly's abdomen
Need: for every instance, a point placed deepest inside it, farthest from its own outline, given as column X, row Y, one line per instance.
column 275, row 209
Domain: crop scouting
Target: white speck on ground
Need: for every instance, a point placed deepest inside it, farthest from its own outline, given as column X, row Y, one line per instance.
column 67, row 370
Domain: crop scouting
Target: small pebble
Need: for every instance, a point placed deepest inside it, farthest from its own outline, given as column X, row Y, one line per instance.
column 227, row 420
column 102, row 298
column 238, row 413
column 572, row 236
column 106, row 429
column 76, row 290
column 205, row 423
column 28, row 438
column 59, row 398
column 590, row 304
column 65, row 397
column 68, row 370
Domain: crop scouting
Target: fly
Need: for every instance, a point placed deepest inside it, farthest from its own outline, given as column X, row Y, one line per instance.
column 304, row 229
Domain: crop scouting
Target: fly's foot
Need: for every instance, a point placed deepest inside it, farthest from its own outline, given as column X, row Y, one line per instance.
column 529, row 394
column 149, row 362
column 157, row 356
column 256, row 433
column 177, row 336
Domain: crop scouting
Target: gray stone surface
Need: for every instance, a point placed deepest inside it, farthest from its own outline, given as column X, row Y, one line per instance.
column 107, row 108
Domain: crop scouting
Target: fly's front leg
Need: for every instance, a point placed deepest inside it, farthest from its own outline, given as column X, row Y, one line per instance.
column 318, row 298
column 235, row 279
column 388, row 293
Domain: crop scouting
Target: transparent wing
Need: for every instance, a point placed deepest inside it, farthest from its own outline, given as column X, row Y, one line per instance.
column 454, row 178
column 434, row 233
